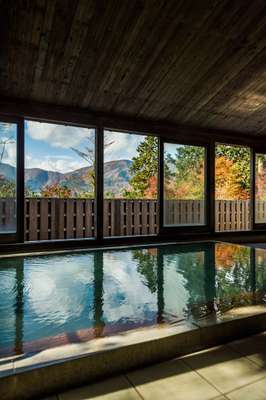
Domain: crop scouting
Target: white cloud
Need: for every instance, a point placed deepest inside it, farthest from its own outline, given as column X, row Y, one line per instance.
column 122, row 287
column 10, row 151
column 124, row 145
column 61, row 164
column 8, row 134
column 58, row 135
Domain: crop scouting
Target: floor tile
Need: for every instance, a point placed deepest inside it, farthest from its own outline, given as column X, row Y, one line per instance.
column 112, row 389
column 254, row 391
column 225, row 368
column 171, row 380
column 253, row 347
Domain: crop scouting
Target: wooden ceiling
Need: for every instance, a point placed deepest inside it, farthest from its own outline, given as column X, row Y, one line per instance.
column 200, row 63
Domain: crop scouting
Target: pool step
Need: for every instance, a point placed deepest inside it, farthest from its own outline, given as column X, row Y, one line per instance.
column 53, row 370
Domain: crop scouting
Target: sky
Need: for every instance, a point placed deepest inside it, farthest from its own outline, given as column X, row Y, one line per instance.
column 8, row 134
column 49, row 146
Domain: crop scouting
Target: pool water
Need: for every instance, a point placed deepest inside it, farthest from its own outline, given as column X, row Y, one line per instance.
column 51, row 300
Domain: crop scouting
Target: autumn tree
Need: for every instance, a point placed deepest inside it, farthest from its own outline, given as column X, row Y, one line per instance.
column 56, row 191
column 144, row 171
column 260, row 177
column 232, row 172
column 186, row 178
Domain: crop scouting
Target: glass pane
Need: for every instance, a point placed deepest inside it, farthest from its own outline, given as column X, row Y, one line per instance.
column 8, row 177
column 184, row 185
column 59, row 181
column 130, row 184
column 232, row 188
column 260, row 188
column 259, row 281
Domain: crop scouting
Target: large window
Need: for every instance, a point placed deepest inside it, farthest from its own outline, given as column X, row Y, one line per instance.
column 232, row 188
column 260, row 188
column 130, row 184
column 184, row 185
column 8, row 177
column 59, row 181
column 63, row 179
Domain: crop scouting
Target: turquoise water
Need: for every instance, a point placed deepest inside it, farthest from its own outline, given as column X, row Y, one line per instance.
column 51, row 300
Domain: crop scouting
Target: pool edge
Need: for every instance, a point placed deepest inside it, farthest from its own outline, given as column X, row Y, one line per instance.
column 43, row 380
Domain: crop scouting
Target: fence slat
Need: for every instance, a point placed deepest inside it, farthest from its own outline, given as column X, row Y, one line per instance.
column 44, row 215
column 48, row 219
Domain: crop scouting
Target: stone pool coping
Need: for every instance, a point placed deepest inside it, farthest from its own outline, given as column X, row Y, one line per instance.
column 57, row 369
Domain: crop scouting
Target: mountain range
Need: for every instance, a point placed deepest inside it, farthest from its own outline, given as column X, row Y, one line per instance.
column 116, row 177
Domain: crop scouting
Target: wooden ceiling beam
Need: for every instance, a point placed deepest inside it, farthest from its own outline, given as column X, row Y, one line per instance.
column 82, row 117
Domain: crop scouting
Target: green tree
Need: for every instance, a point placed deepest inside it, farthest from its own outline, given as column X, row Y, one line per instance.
column 185, row 179
column 7, row 188
column 144, row 167
column 147, row 267
column 240, row 156
column 187, row 171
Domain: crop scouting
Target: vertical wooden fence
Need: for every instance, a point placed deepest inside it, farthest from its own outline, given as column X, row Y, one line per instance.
column 232, row 215
column 7, row 215
column 184, row 212
column 260, row 211
column 48, row 219
column 130, row 217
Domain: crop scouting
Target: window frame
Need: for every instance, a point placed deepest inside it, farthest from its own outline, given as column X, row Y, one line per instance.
column 18, row 235
column 186, row 229
column 20, row 111
column 97, row 225
column 251, row 174
column 139, row 133
column 256, row 225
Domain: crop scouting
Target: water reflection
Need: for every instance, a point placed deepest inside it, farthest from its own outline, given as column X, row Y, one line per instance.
column 53, row 300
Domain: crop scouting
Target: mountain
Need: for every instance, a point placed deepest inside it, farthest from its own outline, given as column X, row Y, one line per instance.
column 7, row 172
column 116, row 177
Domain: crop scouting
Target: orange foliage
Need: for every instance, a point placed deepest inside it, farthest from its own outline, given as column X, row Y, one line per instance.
column 151, row 191
column 224, row 255
column 261, row 182
column 227, row 183
column 227, row 255
column 57, row 191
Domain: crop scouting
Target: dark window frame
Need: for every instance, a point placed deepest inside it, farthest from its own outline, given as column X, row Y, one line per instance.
column 21, row 111
column 206, row 227
column 256, row 225
column 251, row 174
column 139, row 133
column 18, row 235
column 97, row 167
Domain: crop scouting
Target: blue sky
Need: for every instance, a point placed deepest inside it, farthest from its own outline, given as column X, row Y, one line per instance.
column 8, row 134
column 48, row 146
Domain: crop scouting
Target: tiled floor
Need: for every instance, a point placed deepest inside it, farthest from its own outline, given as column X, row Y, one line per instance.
column 236, row 371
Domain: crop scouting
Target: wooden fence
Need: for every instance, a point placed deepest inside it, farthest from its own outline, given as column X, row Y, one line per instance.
column 48, row 219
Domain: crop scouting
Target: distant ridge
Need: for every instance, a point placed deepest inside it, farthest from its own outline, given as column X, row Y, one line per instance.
column 116, row 177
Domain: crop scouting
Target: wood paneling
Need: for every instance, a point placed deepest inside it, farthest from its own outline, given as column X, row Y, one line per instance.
column 199, row 63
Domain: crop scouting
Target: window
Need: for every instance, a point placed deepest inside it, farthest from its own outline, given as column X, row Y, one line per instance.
column 59, row 181
column 260, row 188
column 232, row 188
column 184, row 185
column 8, row 177
column 130, row 184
